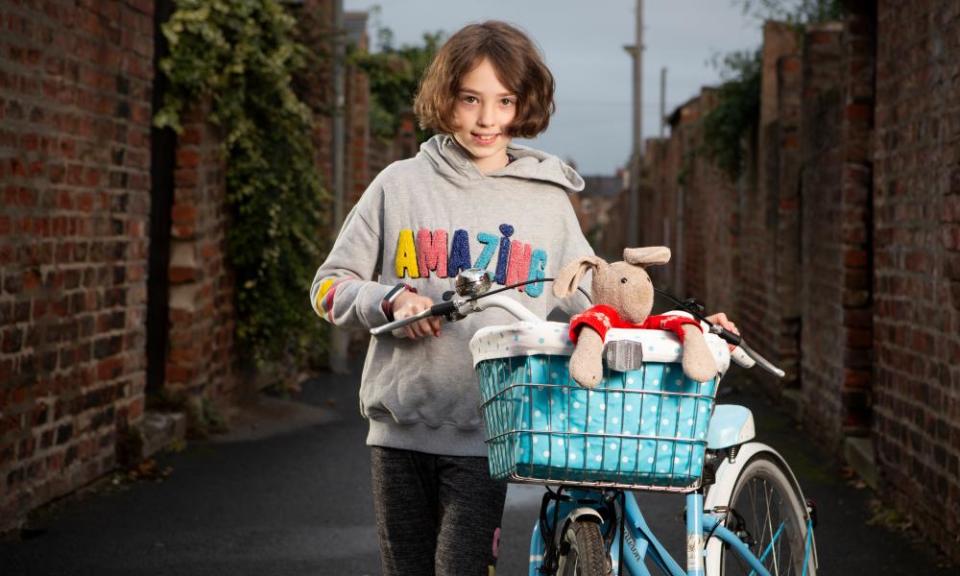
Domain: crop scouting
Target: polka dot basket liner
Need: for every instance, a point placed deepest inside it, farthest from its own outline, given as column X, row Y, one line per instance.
column 642, row 429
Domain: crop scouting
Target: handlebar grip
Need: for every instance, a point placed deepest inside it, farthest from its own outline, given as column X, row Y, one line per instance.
column 761, row 361
column 440, row 309
column 728, row 336
column 443, row 308
column 741, row 358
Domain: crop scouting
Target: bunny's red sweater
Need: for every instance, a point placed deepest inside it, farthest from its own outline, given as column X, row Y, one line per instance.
column 602, row 318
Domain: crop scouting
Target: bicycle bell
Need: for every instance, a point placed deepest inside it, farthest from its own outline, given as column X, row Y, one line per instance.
column 472, row 282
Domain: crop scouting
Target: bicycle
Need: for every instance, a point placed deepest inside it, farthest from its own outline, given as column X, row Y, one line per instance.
column 644, row 428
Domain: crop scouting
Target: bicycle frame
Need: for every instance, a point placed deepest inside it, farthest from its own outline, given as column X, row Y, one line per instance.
column 640, row 542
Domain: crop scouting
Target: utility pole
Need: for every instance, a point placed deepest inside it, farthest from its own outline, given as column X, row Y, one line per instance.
column 340, row 338
column 663, row 101
column 339, row 90
column 636, row 167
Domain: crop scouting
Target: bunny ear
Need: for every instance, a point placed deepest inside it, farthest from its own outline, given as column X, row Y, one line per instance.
column 647, row 256
column 569, row 277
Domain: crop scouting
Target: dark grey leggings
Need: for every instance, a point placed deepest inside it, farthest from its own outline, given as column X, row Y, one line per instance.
column 436, row 515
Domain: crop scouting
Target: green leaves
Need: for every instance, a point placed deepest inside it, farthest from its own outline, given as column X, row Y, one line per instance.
column 726, row 127
column 241, row 56
column 394, row 75
column 737, row 114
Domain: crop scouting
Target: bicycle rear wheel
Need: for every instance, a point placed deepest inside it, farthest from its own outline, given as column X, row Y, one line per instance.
column 582, row 552
column 771, row 510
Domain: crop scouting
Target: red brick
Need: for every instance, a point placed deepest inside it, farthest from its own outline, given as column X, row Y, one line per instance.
column 187, row 158
column 184, row 214
column 950, row 237
column 180, row 275
column 855, row 258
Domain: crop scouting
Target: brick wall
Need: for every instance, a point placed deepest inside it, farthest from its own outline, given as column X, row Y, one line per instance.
column 659, row 200
column 917, row 261
column 849, row 223
column 358, row 137
column 75, row 85
column 711, row 210
column 688, row 206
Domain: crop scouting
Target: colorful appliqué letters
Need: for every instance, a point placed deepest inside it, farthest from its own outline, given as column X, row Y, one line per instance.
column 417, row 255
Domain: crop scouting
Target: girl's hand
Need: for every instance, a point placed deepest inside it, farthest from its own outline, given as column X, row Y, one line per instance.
column 410, row 304
column 721, row 319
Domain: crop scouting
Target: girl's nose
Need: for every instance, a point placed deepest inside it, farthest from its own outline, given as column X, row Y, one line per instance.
column 486, row 115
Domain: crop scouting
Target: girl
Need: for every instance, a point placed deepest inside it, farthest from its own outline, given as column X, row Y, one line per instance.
column 470, row 198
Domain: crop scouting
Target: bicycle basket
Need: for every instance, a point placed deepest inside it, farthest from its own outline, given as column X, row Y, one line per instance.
column 639, row 429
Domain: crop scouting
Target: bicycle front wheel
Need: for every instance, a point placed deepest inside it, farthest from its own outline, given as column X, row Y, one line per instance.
column 582, row 552
column 772, row 520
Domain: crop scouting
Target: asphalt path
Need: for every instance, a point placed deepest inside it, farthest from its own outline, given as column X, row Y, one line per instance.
column 287, row 492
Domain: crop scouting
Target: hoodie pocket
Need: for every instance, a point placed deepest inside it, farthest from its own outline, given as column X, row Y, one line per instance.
column 421, row 382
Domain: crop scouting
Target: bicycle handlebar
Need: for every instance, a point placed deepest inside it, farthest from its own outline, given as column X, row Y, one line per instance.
column 459, row 307
column 441, row 309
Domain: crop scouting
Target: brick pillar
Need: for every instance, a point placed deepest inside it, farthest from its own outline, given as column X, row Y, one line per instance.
column 837, row 189
column 769, row 237
column 200, row 357
column 824, row 287
column 690, row 259
column 785, row 211
column 856, row 231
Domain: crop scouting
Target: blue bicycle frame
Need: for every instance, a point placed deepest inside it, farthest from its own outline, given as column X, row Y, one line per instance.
column 640, row 542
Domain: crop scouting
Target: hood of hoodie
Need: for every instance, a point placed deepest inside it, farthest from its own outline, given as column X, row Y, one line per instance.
column 453, row 163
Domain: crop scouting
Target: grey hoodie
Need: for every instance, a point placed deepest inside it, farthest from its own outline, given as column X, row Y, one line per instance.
column 421, row 221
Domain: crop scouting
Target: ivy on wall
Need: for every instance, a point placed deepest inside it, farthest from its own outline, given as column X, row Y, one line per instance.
column 728, row 126
column 394, row 75
column 241, row 56
column 736, row 115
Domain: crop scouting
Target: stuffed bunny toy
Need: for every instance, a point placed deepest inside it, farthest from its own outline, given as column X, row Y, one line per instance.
column 623, row 298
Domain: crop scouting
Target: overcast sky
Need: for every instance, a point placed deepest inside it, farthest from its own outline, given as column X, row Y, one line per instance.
column 583, row 43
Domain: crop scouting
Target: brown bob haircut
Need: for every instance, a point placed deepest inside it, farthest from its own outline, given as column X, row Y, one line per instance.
column 519, row 67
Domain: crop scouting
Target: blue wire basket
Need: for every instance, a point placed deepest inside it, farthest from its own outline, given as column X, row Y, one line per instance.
column 641, row 429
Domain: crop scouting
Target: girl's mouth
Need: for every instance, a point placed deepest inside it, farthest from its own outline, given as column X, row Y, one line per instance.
column 484, row 139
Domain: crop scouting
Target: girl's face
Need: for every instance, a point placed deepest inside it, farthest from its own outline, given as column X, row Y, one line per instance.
column 482, row 115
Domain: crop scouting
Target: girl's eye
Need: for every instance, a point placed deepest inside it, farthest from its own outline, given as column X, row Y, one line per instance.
column 469, row 99
column 507, row 102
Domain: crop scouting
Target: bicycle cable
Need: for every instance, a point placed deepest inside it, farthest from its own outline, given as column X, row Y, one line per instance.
column 533, row 281
column 694, row 308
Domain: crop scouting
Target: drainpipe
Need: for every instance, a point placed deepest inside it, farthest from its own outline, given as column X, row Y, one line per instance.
column 340, row 338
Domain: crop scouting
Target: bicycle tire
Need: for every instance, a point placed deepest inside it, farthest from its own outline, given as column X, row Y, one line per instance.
column 585, row 553
column 765, row 497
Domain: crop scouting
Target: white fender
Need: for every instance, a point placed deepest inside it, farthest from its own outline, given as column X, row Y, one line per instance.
column 573, row 516
column 720, row 492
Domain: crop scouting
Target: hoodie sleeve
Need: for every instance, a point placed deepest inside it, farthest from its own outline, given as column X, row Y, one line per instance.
column 345, row 291
column 575, row 245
